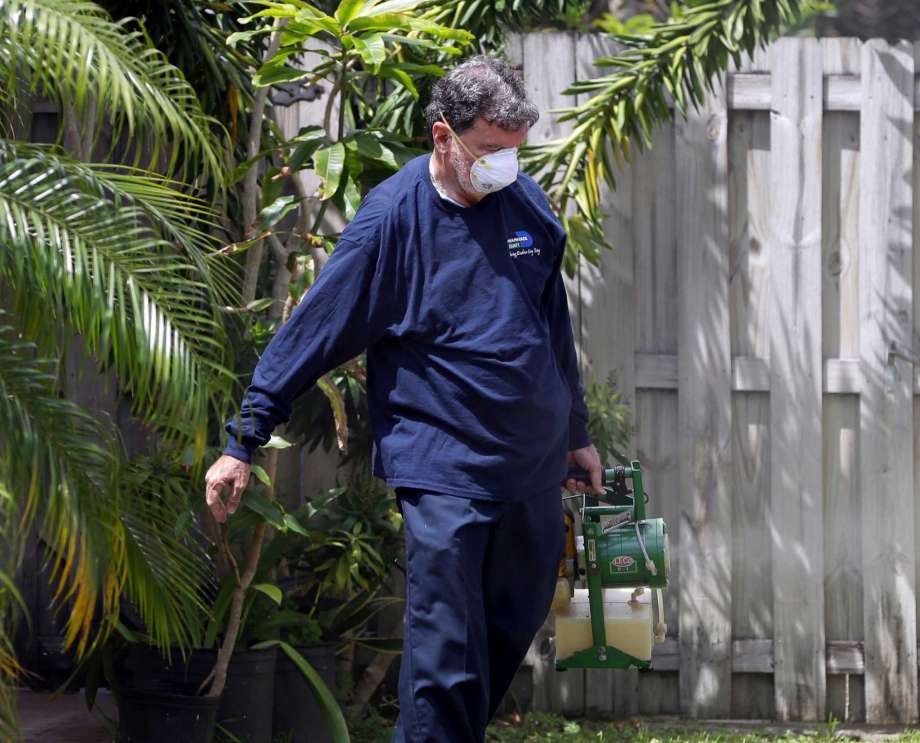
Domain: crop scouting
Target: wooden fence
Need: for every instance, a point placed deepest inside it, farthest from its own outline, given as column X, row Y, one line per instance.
column 759, row 308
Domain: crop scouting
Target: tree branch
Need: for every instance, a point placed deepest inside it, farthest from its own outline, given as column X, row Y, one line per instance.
column 219, row 672
column 282, row 281
column 373, row 676
column 251, row 182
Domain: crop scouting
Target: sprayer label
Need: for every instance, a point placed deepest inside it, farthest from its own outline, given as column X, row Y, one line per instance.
column 622, row 564
column 613, row 523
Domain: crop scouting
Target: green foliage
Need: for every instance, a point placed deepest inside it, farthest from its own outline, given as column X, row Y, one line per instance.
column 313, row 420
column 93, row 254
column 66, row 470
column 336, row 552
column 372, row 72
column 168, row 575
column 609, row 420
column 813, row 11
column 192, row 35
column 619, row 110
column 490, row 20
column 74, row 53
column 636, row 25
column 124, row 259
column 355, row 534
column 335, row 565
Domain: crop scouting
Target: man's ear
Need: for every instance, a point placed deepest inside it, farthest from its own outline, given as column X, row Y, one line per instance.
column 440, row 135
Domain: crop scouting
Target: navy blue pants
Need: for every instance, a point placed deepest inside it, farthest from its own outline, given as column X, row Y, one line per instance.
column 480, row 577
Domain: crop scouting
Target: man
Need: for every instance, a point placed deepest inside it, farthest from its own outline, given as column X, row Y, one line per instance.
column 449, row 276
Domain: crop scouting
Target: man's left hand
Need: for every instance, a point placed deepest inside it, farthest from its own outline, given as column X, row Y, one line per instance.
column 588, row 459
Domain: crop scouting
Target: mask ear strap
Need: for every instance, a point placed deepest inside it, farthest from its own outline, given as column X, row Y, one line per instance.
column 457, row 136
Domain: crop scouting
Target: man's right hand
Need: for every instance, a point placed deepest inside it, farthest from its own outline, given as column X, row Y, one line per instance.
column 227, row 472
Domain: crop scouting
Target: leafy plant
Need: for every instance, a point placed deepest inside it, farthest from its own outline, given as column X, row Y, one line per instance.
column 490, row 20
column 75, row 54
column 335, row 569
column 123, row 258
column 609, row 420
column 635, row 25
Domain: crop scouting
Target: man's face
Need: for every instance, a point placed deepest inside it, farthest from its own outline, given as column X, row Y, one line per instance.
column 481, row 139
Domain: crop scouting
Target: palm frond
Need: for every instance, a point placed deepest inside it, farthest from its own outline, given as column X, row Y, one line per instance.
column 188, row 222
column 183, row 220
column 77, row 54
column 490, row 21
column 10, row 671
column 112, row 531
column 79, row 250
column 62, row 465
column 169, row 575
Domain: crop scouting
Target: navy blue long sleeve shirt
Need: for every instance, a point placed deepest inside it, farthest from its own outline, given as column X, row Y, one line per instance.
column 472, row 379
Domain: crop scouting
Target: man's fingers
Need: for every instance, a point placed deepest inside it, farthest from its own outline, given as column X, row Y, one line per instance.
column 596, row 480
column 212, row 498
column 239, row 486
column 235, row 496
column 578, row 486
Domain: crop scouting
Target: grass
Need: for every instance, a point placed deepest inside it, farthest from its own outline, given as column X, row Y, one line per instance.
column 543, row 728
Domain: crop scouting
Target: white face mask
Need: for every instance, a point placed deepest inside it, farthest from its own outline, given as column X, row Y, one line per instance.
column 490, row 172
column 495, row 171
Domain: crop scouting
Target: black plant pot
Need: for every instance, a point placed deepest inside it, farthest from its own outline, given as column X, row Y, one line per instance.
column 245, row 709
column 298, row 717
column 165, row 712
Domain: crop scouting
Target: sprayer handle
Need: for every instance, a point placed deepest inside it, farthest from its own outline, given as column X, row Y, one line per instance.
column 577, row 473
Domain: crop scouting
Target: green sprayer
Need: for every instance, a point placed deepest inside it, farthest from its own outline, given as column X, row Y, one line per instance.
column 623, row 558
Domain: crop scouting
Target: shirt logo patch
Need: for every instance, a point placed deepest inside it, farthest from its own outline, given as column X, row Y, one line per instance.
column 521, row 243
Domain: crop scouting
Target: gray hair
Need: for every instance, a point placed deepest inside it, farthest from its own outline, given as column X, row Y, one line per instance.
column 481, row 86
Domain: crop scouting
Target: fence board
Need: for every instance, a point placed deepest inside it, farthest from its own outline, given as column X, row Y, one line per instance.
column 796, row 379
column 748, row 220
column 607, row 339
column 655, row 275
column 704, row 405
column 843, row 589
column 549, row 68
column 657, row 449
column 886, row 445
column 915, row 246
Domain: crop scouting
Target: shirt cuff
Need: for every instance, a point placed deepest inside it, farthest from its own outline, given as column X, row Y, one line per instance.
column 237, row 450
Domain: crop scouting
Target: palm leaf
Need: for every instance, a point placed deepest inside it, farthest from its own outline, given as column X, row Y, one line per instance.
column 61, row 464
column 78, row 55
column 80, row 250
column 110, row 530
column 10, row 671
column 168, row 575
